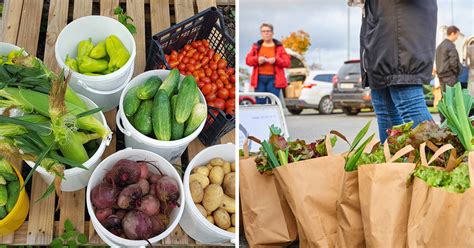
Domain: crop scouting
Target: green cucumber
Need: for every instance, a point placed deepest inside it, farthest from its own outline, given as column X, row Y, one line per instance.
column 131, row 102
column 198, row 115
column 13, row 189
column 161, row 116
column 197, row 97
column 3, row 194
column 177, row 129
column 186, row 96
column 170, row 85
column 3, row 212
column 142, row 119
column 149, row 89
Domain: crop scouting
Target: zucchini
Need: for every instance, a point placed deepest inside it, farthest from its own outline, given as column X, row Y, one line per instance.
column 177, row 129
column 149, row 88
column 3, row 212
column 198, row 115
column 3, row 195
column 161, row 116
column 13, row 190
column 131, row 102
column 142, row 119
column 170, row 85
column 186, row 96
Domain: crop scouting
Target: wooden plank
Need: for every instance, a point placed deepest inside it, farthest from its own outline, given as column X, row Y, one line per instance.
column 205, row 4
column 41, row 218
column 73, row 209
column 183, row 9
column 136, row 10
column 57, row 20
column 28, row 33
column 160, row 15
column 11, row 20
column 228, row 137
column 107, row 7
column 219, row 2
column 82, row 8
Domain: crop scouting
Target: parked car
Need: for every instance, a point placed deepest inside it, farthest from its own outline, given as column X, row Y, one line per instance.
column 315, row 94
column 348, row 92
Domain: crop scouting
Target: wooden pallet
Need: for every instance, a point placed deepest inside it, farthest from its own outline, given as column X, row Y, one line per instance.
column 21, row 25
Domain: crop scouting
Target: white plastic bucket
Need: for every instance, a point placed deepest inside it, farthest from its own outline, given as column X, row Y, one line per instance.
column 193, row 223
column 134, row 154
column 6, row 48
column 170, row 150
column 77, row 178
column 97, row 28
column 108, row 100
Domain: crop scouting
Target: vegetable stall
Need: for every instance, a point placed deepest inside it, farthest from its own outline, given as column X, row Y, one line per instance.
column 35, row 26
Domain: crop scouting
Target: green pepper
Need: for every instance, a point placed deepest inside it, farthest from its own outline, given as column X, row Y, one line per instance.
column 92, row 74
column 106, row 71
column 86, row 64
column 13, row 54
column 98, row 51
column 71, row 63
column 119, row 55
column 84, row 48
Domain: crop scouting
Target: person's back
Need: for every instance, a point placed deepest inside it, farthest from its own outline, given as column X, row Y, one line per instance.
column 448, row 66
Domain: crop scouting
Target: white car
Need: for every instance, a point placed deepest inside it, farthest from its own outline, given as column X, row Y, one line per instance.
column 316, row 94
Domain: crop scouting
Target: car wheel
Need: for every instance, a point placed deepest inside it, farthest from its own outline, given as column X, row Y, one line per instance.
column 246, row 102
column 295, row 111
column 326, row 106
column 350, row 111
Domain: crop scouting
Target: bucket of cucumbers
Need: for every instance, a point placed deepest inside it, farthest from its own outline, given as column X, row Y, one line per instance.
column 161, row 111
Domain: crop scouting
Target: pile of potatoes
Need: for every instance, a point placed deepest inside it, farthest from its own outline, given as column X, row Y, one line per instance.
column 213, row 191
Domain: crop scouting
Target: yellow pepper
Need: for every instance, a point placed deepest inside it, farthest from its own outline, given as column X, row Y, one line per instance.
column 71, row 63
column 98, row 51
column 87, row 64
column 84, row 48
column 119, row 55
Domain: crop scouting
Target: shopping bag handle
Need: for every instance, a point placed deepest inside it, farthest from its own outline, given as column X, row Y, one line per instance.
column 329, row 148
column 452, row 157
column 402, row 152
column 438, row 153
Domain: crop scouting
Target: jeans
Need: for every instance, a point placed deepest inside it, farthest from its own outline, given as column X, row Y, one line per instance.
column 266, row 83
column 399, row 104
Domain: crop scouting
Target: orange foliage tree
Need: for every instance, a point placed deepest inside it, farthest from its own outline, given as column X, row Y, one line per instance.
column 297, row 41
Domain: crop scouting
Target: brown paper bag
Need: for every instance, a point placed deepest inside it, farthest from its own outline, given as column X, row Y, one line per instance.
column 385, row 200
column 267, row 218
column 311, row 188
column 350, row 230
column 439, row 218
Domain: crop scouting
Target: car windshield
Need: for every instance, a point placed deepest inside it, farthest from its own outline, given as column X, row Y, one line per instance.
column 324, row 77
column 349, row 69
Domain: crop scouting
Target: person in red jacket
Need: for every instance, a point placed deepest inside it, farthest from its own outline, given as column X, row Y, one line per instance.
column 268, row 59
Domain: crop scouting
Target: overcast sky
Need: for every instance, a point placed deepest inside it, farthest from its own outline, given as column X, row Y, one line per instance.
column 326, row 22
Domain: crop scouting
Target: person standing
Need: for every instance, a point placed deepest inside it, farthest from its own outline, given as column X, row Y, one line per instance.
column 448, row 65
column 397, row 48
column 268, row 59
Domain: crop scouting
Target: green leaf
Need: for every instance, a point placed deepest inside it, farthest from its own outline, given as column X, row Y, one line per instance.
column 72, row 243
column 56, row 243
column 359, row 136
column 131, row 28
column 35, row 127
column 48, row 191
column 82, row 239
column 118, row 10
column 352, row 161
column 37, row 163
column 122, row 19
column 68, row 226
column 89, row 112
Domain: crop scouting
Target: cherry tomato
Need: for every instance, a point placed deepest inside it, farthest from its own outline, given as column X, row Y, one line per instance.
column 210, row 97
column 174, row 53
column 201, row 49
column 210, row 53
column 197, row 66
column 201, row 74
column 214, row 88
column 182, row 66
column 216, row 57
column 208, row 72
column 230, row 111
column 230, row 71
column 205, row 43
column 219, row 84
column 191, row 53
column 180, row 57
column 206, row 80
column 174, row 64
column 230, row 103
column 224, row 79
column 192, row 61
column 200, row 84
column 194, row 44
column 221, row 64
column 213, row 65
column 211, row 104
column 232, row 93
column 183, row 52
column 201, row 56
column 185, row 60
column 228, row 86
column 220, row 103
column 221, row 72
column 223, row 93
column 190, row 67
column 196, row 56
column 214, row 76
column 206, row 89
column 205, row 60
column 232, row 79
column 187, row 47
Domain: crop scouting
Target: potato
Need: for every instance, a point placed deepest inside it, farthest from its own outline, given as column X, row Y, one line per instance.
column 232, row 166
column 202, row 170
column 222, row 218
column 209, row 166
column 203, row 180
column 229, row 184
column 216, row 176
column 197, row 192
column 232, row 219
column 202, row 210
column 217, row 162
column 210, row 219
column 228, row 204
column 208, row 212
column 226, row 168
column 231, row 229
column 213, row 196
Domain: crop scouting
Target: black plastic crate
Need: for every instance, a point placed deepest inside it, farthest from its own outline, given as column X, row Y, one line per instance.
column 209, row 25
